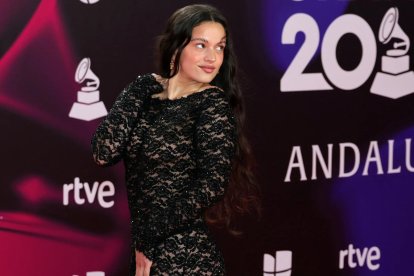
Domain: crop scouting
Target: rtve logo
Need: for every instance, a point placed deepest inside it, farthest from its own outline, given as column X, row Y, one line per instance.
column 79, row 191
column 279, row 265
column 395, row 79
column 367, row 256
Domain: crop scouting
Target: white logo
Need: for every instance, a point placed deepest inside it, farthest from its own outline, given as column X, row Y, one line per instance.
column 395, row 64
column 88, row 107
column 350, row 156
column 365, row 256
column 89, row 1
column 392, row 82
column 94, row 273
column 101, row 191
column 279, row 265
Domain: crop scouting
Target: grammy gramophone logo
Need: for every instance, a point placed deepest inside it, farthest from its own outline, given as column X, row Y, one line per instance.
column 89, row 1
column 395, row 79
column 88, row 106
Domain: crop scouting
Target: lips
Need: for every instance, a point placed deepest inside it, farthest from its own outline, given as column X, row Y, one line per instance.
column 208, row 69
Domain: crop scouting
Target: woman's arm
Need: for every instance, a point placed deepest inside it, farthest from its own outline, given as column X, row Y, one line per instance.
column 112, row 135
column 215, row 147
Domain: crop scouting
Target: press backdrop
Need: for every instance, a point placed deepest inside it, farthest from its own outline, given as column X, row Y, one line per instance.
column 330, row 111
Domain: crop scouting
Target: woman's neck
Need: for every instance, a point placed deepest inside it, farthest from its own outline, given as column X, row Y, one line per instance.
column 178, row 87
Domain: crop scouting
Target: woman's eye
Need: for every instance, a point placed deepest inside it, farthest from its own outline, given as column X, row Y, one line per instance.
column 220, row 48
column 200, row 45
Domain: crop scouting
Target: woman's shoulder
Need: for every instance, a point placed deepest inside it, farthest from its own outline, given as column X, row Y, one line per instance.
column 146, row 78
column 216, row 101
column 145, row 81
column 214, row 95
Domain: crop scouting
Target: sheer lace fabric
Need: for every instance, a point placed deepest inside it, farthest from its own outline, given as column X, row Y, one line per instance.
column 178, row 156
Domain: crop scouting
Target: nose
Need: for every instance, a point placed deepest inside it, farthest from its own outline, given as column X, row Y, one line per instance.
column 210, row 55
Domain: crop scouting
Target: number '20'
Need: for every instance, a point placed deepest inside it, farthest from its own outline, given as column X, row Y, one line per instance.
column 295, row 79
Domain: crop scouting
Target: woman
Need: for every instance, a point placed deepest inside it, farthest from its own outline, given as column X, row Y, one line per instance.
column 180, row 136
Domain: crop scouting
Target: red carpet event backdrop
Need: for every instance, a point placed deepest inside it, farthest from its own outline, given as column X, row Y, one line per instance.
column 329, row 89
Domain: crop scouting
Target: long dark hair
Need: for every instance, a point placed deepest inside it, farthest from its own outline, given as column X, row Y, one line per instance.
column 242, row 194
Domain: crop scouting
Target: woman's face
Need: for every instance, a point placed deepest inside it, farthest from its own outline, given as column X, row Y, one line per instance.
column 201, row 59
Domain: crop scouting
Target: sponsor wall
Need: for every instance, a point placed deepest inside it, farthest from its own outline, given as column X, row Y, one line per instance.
column 329, row 97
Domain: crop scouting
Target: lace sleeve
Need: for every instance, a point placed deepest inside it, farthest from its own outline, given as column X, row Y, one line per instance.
column 215, row 147
column 111, row 136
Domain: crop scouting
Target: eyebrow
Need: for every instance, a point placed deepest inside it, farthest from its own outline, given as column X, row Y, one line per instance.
column 205, row 40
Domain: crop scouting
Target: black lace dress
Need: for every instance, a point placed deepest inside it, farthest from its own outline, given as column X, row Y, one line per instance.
column 178, row 157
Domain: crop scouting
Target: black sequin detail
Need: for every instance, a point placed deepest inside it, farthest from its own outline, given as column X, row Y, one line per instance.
column 177, row 156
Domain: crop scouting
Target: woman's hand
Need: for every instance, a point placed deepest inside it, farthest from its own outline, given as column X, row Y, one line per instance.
column 143, row 264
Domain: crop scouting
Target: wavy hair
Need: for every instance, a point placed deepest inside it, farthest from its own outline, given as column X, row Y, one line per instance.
column 242, row 194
